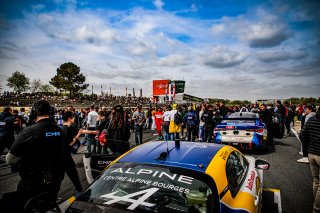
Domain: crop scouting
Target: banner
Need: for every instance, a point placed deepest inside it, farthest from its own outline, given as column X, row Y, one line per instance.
column 179, row 86
column 159, row 87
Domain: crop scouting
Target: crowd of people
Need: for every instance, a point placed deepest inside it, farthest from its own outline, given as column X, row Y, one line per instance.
column 53, row 133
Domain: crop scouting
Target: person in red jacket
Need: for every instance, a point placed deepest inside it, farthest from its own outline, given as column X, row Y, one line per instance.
column 159, row 120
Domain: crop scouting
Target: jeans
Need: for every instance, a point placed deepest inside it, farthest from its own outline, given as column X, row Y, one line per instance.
column 191, row 131
column 138, row 134
column 208, row 134
column 315, row 170
column 287, row 124
column 201, row 133
column 166, row 136
column 91, row 142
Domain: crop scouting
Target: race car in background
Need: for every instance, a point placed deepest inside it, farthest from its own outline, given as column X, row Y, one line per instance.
column 161, row 176
column 243, row 130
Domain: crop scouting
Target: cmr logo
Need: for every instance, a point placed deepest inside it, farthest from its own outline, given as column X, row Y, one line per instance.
column 52, row 134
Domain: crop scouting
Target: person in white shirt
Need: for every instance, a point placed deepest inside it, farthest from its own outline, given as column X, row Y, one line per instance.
column 166, row 122
column 91, row 125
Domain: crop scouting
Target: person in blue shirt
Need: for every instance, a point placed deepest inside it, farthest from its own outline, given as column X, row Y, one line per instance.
column 191, row 122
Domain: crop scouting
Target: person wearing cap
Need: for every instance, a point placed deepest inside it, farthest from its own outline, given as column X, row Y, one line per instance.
column 139, row 121
column 309, row 137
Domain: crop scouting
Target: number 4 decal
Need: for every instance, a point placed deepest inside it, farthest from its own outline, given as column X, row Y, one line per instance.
column 127, row 198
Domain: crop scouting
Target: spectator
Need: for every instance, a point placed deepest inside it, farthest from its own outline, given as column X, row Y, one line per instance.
column 91, row 125
column 158, row 120
column 191, row 121
column 281, row 110
column 39, row 150
column 139, row 120
column 6, row 129
column 201, row 124
column 166, row 122
column 266, row 117
column 308, row 114
column 309, row 136
column 223, row 110
column 289, row 115
column 208, row 119
column 72, row 137
column 175, row 122
column 100, row 126
column 119, row 131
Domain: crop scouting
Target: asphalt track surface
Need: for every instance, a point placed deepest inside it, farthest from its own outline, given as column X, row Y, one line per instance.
column 293, row 179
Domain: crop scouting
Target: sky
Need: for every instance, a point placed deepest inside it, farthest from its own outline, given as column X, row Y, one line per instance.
column 231, row 49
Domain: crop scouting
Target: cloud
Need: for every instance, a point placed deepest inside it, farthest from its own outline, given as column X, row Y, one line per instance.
column 92, row 35
column 71, row 28
column 11, row 50
column 265, row 30
column 306, row 69
column 222, row 57
column 159, row 4
column 173, row 60
column 141, row 48
column 274, row 56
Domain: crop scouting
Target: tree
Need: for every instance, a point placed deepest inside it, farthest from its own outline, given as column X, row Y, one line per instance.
column 35, row 85
column 46, row 88
column 19, row 82
column 69, row 78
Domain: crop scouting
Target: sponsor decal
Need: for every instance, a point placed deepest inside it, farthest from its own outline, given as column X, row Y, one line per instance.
column 102, row 162
column 2, row 123
column 129, row 198
column 52, row 134
column 251, row 180
column 224, row 154
column 155, row 173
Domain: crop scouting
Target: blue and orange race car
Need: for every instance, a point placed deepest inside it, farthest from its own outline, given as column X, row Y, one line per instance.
column 243, row 130
column 176, row 177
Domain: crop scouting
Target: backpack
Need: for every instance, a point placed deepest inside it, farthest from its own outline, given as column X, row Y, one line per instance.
column 177, row 118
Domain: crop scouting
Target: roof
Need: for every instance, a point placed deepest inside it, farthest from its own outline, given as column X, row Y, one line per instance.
column 189, row 155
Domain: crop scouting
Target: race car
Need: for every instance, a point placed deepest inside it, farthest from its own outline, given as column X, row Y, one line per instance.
column 176, row 176
column 243, row 130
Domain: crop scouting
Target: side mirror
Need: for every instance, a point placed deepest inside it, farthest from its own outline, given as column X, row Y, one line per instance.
column 262, row 164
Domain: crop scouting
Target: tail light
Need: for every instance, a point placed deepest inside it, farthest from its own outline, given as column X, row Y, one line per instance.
column 260, row 130
column 219, row 129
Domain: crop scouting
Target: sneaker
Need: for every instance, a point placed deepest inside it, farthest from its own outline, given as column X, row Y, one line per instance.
column 303, row 160
column 300, row 153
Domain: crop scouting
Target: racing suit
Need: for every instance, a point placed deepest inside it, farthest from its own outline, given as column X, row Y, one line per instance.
column 158, row 121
